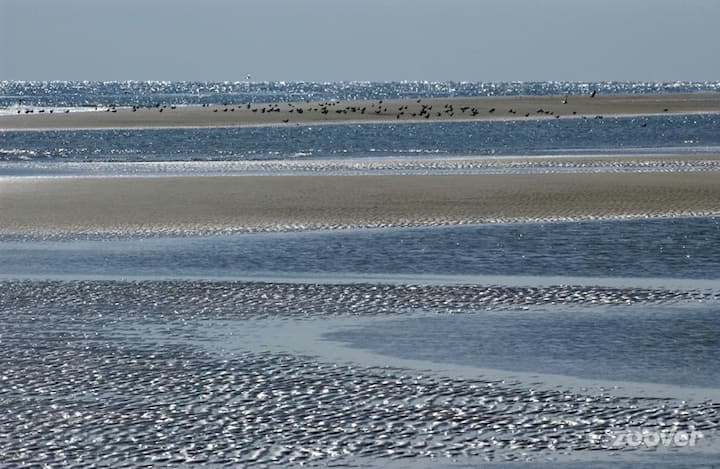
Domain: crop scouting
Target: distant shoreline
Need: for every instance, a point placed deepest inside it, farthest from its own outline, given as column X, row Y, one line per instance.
column 367, row 111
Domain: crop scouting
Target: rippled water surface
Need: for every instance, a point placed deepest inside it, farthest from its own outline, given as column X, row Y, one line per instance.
column 150, row 372
column 676, row 248
column 116, row 373
column 691, row 134
column 88, row 93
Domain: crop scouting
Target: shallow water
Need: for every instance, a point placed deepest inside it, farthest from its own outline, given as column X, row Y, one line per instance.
column 126, row 372
column 644, row 343
column 684, row 134
column 673, row 248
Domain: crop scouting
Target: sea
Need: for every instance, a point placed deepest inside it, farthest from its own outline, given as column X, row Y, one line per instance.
column 543, row 344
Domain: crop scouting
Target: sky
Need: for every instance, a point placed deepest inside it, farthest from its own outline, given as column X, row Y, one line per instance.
column 365, row 40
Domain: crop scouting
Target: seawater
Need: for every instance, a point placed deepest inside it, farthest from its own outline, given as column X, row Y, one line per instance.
column 683, row 248
column 160, row 349
column 671, row 134
column 127, row 93
column 690, row 134
column 641, row 343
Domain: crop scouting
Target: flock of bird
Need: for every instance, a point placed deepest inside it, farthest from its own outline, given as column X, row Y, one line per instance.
column 361, row 110
column 378, row 108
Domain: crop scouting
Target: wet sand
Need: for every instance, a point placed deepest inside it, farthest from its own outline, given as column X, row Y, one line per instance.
column 373, row 165
column 127, row 205
column 177, row 372
column 466, row 108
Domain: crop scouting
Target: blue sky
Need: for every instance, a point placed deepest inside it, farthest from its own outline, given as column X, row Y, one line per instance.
column 374, row 40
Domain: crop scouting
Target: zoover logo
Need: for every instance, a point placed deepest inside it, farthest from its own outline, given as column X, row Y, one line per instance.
column 650, row 438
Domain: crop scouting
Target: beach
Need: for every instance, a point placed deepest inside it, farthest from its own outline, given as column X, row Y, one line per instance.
column 196, row 204
column 394, row 110
column 521, row 279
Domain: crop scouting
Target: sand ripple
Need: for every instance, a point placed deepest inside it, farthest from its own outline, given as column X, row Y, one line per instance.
column 256, row 300
column 83, row 381
column 111, row 405
column 547, row 164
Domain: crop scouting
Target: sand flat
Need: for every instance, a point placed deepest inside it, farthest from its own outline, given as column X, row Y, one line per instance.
column 242, row 203
column 464, row 108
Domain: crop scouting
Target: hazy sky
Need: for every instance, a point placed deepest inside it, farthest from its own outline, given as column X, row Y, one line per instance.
column 330, row 40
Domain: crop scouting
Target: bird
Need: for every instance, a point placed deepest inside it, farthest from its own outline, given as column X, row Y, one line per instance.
column 592, row 95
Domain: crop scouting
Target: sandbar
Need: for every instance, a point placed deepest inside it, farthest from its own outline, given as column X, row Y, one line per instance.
column 396, row 110
column 192, row 204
